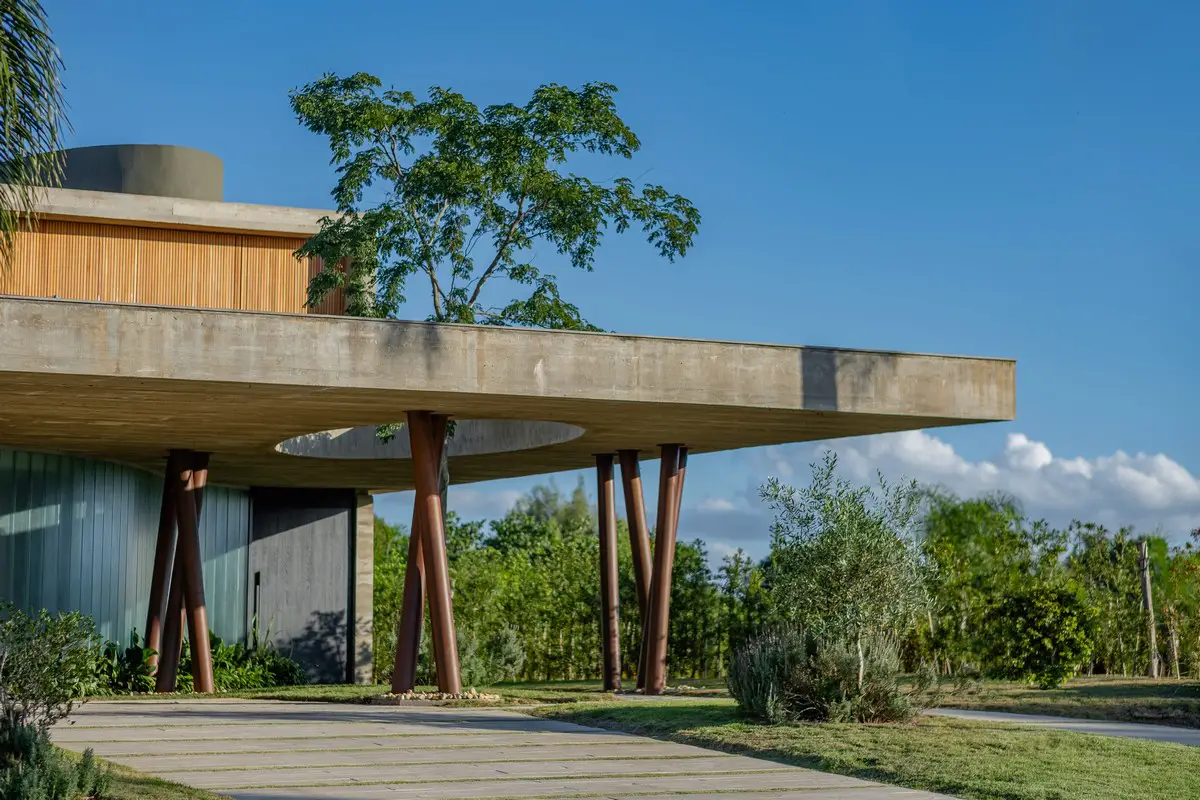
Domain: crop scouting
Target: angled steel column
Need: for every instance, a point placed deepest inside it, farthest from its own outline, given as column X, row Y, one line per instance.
column 437, row 572
column 664, row 562
column 191, row 490
column 164, row 552
column 412, row 609
column 639, row 543
column 175, row 620
column 683, row 454
column 186, row 604
column 610, row 601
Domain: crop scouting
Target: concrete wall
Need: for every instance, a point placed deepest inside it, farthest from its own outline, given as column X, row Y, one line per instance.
column 361, row 650
column 300, row 576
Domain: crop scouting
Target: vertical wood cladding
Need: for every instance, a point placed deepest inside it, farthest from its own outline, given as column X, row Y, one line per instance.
column 162, row 266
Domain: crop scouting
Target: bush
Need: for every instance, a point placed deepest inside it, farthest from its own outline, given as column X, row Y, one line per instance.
column 759, row 671
column 31, row 768
column 499, row 657
column 1040, row 634
column 784, row 676
column 124, row 670
column 240, row 668
column 47, row 662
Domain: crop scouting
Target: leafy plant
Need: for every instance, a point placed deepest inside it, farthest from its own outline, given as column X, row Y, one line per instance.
column 125, row 670
column 1041, row 634
column 31, row 768
column 237, row 667
column 47, row 662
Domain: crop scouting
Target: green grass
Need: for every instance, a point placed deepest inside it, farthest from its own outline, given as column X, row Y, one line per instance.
column 1163, row 701
column 129, row 784
column 982, row 761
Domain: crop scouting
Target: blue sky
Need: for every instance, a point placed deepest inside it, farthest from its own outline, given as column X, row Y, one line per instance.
column 1010, row 179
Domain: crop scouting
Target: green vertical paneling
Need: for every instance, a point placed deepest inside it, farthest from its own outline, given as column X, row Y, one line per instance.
column 80, row 534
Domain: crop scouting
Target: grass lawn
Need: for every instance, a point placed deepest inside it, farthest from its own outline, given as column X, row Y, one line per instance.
column 1163, row 701
column 965, row 759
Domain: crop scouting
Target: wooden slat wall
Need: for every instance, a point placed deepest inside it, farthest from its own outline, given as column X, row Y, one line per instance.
column 162, row 266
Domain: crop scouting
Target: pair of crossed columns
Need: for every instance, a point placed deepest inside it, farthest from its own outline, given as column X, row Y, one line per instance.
column 178, row 557
column 427, row 571
column 652, row 579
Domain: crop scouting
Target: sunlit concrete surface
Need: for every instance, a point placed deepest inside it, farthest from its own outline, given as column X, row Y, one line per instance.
column 325, row 751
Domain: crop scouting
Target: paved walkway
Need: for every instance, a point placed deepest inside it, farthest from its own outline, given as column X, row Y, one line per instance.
column 1131, row 730
column 266, row 750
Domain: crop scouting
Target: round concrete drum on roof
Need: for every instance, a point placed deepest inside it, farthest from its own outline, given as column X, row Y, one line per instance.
column 161, row 170
column 471, row 437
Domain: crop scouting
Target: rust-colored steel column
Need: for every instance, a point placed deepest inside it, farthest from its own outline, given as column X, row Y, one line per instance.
column 437, row 571
column 639, row 544
column 683, row 454
column 412, row 608
column 175, row 620
column 190, row 486
column 664, row 562
column 610, row 601
column 412, row 611
column 164, row 551
column 173, row 624
column 639, row 531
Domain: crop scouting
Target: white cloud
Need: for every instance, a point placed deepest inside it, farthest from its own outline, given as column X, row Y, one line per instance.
column 715, row 504
column 1146, row 490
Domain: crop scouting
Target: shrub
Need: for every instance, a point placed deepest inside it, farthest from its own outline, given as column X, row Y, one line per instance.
column 240, row 668
column 482, row 661
column 1040, row 634
column 31, row 768
column 759, row 672
column 47, row 661
column 124, row 670
column 787, row 675
column 504, row 654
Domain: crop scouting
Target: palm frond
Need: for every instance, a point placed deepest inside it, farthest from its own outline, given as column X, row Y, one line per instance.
column 32, row 116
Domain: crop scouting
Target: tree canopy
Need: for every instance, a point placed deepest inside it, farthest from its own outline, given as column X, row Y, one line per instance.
column 458, row 197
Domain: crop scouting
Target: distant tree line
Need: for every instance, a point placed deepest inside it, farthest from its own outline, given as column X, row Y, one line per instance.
column 535, row 572
column 989, row 575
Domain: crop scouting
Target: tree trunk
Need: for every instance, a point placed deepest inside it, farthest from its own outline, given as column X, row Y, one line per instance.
column 861, row 663
column 1148, row 605
column 1173, row 632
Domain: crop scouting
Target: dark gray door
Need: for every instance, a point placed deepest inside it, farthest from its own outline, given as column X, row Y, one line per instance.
column 299, row 577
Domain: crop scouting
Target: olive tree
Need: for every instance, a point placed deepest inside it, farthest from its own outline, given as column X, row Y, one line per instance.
column 846, row 561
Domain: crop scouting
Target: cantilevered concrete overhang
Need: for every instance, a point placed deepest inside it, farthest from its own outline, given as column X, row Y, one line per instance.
column 256, row 390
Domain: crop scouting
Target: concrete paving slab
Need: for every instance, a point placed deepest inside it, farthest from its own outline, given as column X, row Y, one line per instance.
column 410, row 773
column 814, row 784
column 325, row 751
column 404, row 755
column 853, row 793
column 127, row 749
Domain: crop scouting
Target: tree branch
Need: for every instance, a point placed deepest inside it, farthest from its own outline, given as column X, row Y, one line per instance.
column 512, row 229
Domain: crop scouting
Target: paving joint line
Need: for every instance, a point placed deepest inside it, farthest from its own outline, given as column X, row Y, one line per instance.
column 508, row 779
column 241, row 768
